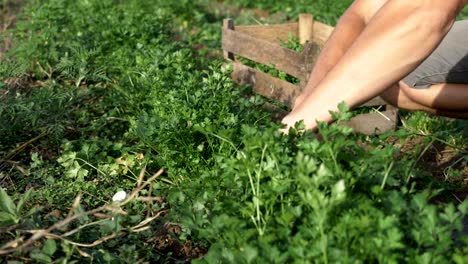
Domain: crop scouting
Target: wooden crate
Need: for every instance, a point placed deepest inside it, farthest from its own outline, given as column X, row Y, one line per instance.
column 261, row 44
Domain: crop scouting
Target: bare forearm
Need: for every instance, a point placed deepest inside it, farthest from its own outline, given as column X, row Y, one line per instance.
column 347, row 30
column 395, row 41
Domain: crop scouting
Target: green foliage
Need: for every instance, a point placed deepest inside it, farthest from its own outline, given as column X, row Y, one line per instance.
column 96, row 91
column 312, row 200
column 11, row 213
column 463, row 14
column 45, row 254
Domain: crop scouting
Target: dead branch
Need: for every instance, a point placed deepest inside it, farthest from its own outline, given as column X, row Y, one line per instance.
column 104, row 212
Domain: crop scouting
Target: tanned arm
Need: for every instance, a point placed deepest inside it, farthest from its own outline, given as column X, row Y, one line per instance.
column 396, row 39
column 348, row 28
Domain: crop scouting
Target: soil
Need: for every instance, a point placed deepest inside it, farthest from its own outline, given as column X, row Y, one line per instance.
column 166, row 242
column 439, row 158
column 440, row 161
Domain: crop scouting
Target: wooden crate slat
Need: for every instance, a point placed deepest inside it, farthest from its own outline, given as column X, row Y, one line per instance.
column 275, row 33
column 264, row 84
column 271, row 33
column 321, row 32
column 264, row 52
column 228, row 24
column 375, row 102
column 309, row 57
column 306, row 28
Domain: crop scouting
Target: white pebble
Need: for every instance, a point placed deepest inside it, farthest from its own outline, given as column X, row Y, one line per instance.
column 119, row 196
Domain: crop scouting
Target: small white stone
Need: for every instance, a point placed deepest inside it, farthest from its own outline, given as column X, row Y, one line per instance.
column 119, row 196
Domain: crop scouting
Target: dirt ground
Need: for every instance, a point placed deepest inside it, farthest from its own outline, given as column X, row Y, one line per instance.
column 440, row 158
column 443, row 162
column 165, row 241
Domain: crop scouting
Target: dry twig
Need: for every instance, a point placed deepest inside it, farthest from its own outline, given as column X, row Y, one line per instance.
column 103, row 213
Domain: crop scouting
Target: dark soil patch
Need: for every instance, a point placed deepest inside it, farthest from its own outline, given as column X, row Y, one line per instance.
column 166, row 242
column 440, row 160
column 445, row 165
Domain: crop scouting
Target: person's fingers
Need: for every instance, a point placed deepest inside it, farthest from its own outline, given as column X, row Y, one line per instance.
column 284, row 131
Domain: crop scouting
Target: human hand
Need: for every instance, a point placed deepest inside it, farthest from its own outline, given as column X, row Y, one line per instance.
column 290, row 124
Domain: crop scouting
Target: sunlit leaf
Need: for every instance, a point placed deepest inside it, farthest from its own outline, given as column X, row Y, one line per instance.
column 6, row 203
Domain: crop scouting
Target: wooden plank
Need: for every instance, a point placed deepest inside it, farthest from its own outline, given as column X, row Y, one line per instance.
column 264, row 52
column 277, row 113
column 390, row 107
column 375, row 102
column 309, row 57
column 321, row 32
column 281, row 32
column 264, row 84
column 271, row 33
column 228, row 24
column 373, row 123
column 306, row 22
